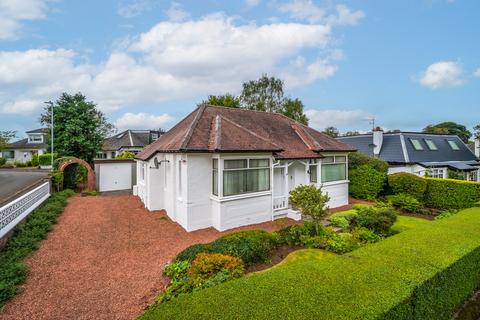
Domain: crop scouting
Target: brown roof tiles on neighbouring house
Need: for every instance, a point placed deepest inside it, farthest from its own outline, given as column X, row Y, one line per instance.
column 221, row 129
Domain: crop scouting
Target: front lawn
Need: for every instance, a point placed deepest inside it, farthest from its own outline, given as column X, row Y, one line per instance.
column 424, row 272
column 404, row 223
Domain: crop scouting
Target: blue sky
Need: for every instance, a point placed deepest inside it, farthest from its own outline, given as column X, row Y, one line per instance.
column 146, row 63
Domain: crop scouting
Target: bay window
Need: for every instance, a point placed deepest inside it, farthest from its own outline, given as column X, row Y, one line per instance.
column 244, row 176
column 312, row 171
column 334, row 168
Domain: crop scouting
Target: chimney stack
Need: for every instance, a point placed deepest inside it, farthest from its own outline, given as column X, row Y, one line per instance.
column 377, row 141
column 477, row 147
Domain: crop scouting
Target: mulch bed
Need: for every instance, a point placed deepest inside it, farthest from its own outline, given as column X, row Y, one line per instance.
column 104, row 260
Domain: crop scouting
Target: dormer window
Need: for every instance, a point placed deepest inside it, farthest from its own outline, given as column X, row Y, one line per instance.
column 154, row 136
column 453, row 145
column 431, row 145
column 35, row 139
column 416, row 144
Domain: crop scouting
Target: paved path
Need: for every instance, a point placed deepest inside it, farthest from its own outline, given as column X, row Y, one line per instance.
column 103, row 260
column 12, row 181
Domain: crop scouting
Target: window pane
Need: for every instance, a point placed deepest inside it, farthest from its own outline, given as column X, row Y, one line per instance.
column 235, row 164
column 234, row 182
column 215, row 163
column 330, row 159
column 259, row 163
column 258, row 180
column 431, row 145
column 313, row 174
column 416, row 144
column 333, row 172
column 340, row 159
column 453, row 145
column 215, row 182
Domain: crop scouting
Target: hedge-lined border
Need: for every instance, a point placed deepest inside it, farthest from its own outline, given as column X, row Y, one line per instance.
column 423, row 273
column 24, row 241
column 451, row 194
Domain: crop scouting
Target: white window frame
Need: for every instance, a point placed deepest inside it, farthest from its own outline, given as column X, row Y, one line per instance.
column 221, row 158
column 142, row 171
column 438, row 173
column 322, row 164
column 315, row 164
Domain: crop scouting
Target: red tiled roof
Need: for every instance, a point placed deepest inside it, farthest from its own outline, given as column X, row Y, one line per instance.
column 220, row 129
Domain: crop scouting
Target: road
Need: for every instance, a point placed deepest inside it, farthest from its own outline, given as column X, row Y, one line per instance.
column 12, row 181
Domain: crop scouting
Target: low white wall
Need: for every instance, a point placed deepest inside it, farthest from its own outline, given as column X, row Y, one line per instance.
column 241, row 212
column 338, row 193
column 413, row 169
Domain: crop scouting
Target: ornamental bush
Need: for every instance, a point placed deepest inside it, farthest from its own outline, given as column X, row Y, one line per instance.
column 358, row 159
column 311, row 202
column 404, row 202
column 379, row 220
column 2, row 161
column 207, row 265
column 366, row 182
column 451, row 194
column 408, row 183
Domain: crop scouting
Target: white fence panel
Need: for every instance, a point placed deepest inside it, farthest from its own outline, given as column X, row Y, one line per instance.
column 16, row 210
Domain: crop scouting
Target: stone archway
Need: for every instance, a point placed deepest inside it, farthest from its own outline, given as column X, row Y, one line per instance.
column 90, row 175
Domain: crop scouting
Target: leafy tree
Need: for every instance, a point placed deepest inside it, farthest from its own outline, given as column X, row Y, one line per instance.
column 126, row 155
column 311, row 201
column 351, row 133
column 477, row 131
column 264, row 94
column 449, row 128
column 293, row 108
column 224, row 100
column 331, row 131
column 79, row 127
column 5, row 137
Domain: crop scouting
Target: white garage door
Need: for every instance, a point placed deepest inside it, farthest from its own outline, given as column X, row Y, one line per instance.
column 115, row 176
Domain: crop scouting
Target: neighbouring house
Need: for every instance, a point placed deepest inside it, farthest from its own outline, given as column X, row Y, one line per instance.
column 419, row 153
column 229, row 167
column 23, row 150
column 128, row 140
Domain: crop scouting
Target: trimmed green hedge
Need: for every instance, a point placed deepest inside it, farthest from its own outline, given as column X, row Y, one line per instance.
column 422, row 273
column 25, row 240
column 451, row 194
column 408, row 183
column 366, row 182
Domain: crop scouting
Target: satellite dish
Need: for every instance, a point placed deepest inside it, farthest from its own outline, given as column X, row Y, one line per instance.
column 155, row 163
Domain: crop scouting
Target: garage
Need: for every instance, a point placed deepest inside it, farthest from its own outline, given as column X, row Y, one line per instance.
column 114, row 174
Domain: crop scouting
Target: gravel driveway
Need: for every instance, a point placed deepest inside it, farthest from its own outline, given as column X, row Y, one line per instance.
column 103, row 260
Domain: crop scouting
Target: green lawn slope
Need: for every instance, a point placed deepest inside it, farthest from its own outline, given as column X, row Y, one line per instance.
column 421, row 273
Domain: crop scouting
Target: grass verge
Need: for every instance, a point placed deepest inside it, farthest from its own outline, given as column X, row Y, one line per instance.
column 25, row 240
column 421, row 273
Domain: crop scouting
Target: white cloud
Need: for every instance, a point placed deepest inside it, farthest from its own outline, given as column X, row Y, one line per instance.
column 172, row 60
column 307, row 10
column 320, row 119
column 142, row 121
column 476, row 73
column 252, row 3
column 177, row 13
column 14, row 12
column 442, row 74
column 134, row 8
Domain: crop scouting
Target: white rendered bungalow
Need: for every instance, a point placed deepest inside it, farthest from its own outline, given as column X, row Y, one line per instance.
column 229, row 167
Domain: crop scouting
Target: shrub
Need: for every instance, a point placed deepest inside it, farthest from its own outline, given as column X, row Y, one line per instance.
column 342, row 243
column 408, row 183
column 179, row 280
column 451, row 194
column 207, row 265
column 349, row 214
column 126, row 155
column 358, row 159
column 35, row 162
column 366, row 182
column 311, row 202
column 340, row 222
column 365, row 236
column 405, row 202
column 2, row 161
column 20, row 164
column 251, row 246
column 379, row 220
column 57, row 179
column 25, row 240
column 446, row 214
column 46, row 159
